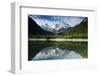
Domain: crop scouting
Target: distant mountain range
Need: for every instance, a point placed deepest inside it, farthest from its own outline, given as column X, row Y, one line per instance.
column 35, row 29
column 56, row 28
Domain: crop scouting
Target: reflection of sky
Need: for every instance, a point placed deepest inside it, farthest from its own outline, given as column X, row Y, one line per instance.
column 52, row 20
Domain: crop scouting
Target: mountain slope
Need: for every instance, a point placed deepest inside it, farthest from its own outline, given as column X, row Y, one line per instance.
column 80, row 29
column 35, row 29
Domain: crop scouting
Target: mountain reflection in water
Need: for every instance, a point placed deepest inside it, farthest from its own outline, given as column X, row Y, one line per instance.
column 56, row 52
column 52, row 50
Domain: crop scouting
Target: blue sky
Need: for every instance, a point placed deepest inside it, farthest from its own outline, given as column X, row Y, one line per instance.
column 52, row 20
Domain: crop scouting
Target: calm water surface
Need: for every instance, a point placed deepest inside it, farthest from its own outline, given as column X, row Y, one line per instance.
column 52, row 50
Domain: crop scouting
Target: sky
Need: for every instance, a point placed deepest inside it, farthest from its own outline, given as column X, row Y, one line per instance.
column 52, row 20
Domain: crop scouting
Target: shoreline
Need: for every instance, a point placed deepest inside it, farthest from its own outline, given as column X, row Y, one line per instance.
column 57, row 39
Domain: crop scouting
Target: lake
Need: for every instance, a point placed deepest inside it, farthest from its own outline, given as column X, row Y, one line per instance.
column 53, row 50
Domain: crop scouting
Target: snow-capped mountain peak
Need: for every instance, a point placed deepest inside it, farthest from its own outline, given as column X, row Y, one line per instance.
column 56, row 24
